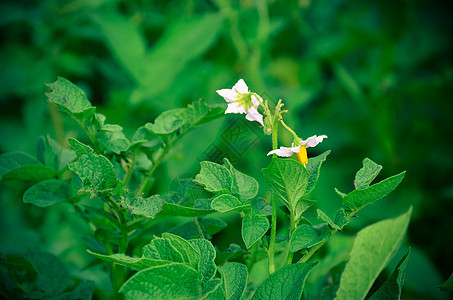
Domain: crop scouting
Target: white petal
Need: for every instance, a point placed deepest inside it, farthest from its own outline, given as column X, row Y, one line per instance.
column 313, row 141
column 285, row 151
column 227, row 94
column 254, row 115
column 256, row 100
column 235, row 108
column 241, row 87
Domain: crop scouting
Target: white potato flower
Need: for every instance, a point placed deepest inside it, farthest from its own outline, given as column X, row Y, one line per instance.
column 300, row 149
column 242, row 101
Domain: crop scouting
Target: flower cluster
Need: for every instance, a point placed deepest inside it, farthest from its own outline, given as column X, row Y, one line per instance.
column 242, row 101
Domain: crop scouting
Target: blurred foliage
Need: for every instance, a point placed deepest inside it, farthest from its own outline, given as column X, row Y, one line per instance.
column 375, row 76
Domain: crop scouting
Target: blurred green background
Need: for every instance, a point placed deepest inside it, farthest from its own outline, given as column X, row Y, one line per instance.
column 375, row 76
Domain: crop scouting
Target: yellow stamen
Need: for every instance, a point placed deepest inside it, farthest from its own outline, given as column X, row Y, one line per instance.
column 302, row 155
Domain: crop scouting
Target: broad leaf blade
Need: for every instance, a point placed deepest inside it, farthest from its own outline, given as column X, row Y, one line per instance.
column 306, row 236
column 206, row 266
column 21, row 166
column 287, row 283
column 70, row 98
column 225, row 203
column 373, row 248
column 147, row 207
column 234, row 278
column 288, row 179
column 253, row 228
column 47, row 193
column 172, row 281
column 214, row 177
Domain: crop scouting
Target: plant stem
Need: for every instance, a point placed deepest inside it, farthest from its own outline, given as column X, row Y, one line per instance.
column 130, row 170
column 289, row 129
column 195, row 219
column 271, row 252
column 289, row 258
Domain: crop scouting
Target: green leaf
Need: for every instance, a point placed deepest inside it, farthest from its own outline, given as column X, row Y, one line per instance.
column 48, row 192
column 302, row 205
column 447, row 285
column 287, row 283
column 234, row 278
column 112, row 139
column 95, row 171
column 327, row 219
column 358, row 199
column 53, row 276
column 125, row 41
column 306, row 236
column 341, row 218
column 170, row 209
column 79, row 147
column 288, row 179
column 206, row 266
column 199, row 112
column 214, row 177
column 70, row 98
column 225, row 203
column 247, row 187
column 391, row 288
column 84, row 290
column 313, row 168
column 168, row 121
column 182, row 41
column 366, row 174
column 329, row 292
column 373, row 248
column 147, row 207
column 253, row 228
column 261, row 207
column 229, row 253
column 21, row 166
column 51, row 154
column 138, row 263
column 209, row 289
column 172, row 281
column 173, row 248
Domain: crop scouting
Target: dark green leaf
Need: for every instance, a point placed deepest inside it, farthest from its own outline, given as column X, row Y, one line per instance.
column 302, row 205
column 253, row 228
column 48, row 192
column 447, row 285
column 306, row 236
column 169, row 121
column 170, row 209
column 261, row 207
column 287, row 283
column 391, row 288
column 84, row 290
column 21, row 166
column 234, row 278
column 329, row 292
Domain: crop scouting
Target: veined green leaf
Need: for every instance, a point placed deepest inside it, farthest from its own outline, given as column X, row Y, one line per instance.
column 253, row 228
column 288, row 179
column 244, row 185
column 206, row 266
column 358, row 199
column 373, row 248
column 171, row 281
column 147, row 207
column 302, row 205
column 287, row 283
column 261, row 207
column 306, row 236
column 391, row 288
column 170, row 209
column 322, row 215
column 48, row 192
column 138, row 263
column 70, row 98
column 234, row 278
column 214, row 177
column 169, row 121
column 112, row 139
column 225, row 203
column 79, row 147
column 366, row 174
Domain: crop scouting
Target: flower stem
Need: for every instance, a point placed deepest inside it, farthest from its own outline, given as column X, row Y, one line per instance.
column 289, row 129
